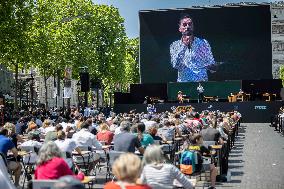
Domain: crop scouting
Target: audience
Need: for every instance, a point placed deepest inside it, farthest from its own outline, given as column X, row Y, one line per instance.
column 12, row 133
column 158, row 174
column 127, row 169
column 68, row 182
column 32, row 142
column 104, row 134
column 125, row 141
column 75, row 134
column 6, row 144
column 197, row 145
column 51, row 165
column 144, row 138
column 66, row 145
column 211, row 134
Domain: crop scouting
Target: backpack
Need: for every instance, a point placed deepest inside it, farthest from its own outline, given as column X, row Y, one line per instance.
column 187, row 162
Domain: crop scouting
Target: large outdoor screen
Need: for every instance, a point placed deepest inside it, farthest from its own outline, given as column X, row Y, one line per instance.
column 226, row 43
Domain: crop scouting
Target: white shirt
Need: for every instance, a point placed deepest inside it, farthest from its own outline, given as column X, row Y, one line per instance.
column 31, row 158
column 50, row 128
column 85, row 138
column 117, row 131
column 149, row 124
column 67, row 145
column 162, row 176
column 200, row 89
column 113, row 127
column 64, row 125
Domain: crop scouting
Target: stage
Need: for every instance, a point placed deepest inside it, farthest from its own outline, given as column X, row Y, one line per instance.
column 252, row 111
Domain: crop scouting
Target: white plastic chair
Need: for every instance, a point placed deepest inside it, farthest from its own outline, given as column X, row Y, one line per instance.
column 44, row 184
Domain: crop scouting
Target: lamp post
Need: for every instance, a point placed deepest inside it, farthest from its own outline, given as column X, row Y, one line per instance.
column 32, row 89
column 78, row 93
column 85, row 83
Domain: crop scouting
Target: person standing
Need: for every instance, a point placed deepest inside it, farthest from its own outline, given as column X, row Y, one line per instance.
column 200, row 91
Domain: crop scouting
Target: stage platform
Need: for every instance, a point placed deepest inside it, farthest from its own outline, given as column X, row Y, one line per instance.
column 252, row 111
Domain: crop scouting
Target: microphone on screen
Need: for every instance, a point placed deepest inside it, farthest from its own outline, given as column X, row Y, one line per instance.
column 188, row 32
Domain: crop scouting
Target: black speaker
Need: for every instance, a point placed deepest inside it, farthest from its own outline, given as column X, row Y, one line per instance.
column 96, row 84
column 85, row 82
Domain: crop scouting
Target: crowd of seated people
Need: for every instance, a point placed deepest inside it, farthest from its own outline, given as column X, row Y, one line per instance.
column 63, row 139
column 277, row 121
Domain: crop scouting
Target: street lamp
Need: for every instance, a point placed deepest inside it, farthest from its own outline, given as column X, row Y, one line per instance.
column 32, row 89
column 85, row 83
column 78, row 93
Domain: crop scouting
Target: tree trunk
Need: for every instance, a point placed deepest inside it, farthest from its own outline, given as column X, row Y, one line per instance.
column 45, row 87
column 16, row 86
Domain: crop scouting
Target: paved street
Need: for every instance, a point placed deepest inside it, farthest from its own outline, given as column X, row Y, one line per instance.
column 256, row 161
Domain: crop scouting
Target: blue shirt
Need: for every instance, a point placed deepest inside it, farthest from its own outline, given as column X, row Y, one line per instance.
column 192, row 62
column 5, row 144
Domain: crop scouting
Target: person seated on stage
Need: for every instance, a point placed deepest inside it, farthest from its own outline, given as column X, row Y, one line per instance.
column 180, row 97
column 147, row 100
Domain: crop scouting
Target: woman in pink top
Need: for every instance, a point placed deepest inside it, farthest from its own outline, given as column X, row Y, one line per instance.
column 104, row 134
column 50, row 164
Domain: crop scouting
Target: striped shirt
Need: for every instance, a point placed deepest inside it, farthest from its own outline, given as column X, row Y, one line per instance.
column 162, row 176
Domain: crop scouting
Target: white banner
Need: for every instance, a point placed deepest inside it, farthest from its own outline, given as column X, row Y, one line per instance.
column 54, row 92
column 67, row 92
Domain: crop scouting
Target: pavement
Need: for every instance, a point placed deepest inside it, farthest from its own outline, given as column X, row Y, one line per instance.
column 257, row 159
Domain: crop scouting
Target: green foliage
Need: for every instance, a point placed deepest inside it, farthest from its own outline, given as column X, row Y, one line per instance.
column 281, row 70
column 53, row 34
column 15, row 19
column 132, row 61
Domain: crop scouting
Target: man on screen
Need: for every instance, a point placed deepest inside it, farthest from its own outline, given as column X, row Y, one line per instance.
column 190, row 55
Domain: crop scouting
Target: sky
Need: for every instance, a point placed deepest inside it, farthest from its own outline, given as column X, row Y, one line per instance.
column 129, row 8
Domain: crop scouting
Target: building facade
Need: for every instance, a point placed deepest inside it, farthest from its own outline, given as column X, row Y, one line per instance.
column 6, row 80
column 277, row 37
column 55, row 99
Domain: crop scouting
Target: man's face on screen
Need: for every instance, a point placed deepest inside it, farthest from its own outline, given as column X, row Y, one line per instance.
column 186, row 26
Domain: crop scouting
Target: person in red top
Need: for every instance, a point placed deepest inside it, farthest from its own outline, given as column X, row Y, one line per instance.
column 104, row 134
column 127, row 169
column 50, row 164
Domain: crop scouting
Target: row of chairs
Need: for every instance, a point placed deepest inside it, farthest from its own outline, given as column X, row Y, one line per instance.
column 277, row 121
column 221, row 158
column 81, row 162
column 171, row 151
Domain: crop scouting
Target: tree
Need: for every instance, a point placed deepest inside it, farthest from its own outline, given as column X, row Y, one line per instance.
column 281, row 70
column 132, row 61
column 50, row 34
column 80, row 33
column 15, row 20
